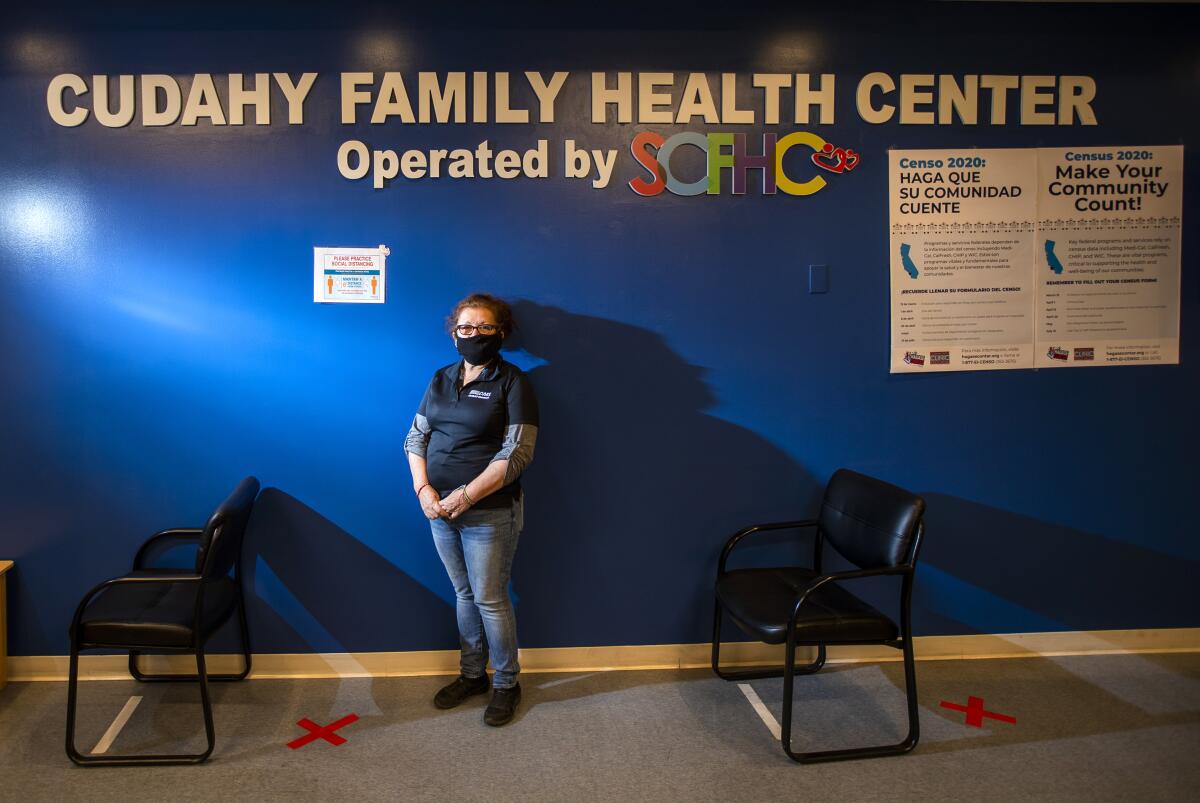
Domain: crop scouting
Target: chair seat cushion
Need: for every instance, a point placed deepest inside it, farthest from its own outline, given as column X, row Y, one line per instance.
column 761, row 601
column 155, row 614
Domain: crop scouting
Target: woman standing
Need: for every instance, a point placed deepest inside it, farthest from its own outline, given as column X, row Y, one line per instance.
column 471, row 438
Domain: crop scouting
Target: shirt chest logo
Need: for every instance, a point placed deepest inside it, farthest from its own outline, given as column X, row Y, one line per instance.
column 479, row 394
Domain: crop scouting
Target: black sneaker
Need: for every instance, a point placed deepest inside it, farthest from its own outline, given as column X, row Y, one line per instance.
column 503, row 705
column 462, row 688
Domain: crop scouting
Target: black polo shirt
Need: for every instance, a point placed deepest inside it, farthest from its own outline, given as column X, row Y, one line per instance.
column 468, row 425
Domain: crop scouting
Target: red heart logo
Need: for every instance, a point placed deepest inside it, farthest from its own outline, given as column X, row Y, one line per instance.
column 852, row 159
column 830, row 158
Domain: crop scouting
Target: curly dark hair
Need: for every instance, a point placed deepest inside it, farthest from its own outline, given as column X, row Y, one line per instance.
column 497, row 306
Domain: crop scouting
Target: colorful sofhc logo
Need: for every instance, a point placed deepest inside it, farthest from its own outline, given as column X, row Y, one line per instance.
column 728, row 150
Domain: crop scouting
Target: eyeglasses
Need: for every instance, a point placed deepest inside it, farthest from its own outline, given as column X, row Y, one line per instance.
column 468, row 330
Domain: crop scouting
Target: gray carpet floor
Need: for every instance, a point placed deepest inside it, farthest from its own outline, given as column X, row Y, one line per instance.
column 1088, row 728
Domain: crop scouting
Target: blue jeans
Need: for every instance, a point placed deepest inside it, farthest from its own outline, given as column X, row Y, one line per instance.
column 477, row 549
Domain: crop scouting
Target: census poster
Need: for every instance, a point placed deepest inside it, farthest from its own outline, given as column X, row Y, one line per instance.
column 961, row 246
column 1034, row 257
column 1108, row 257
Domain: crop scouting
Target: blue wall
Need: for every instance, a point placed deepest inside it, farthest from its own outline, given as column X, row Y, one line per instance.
column 160, row 339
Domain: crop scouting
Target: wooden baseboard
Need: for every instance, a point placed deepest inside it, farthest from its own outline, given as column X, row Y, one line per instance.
column 597, row 659
column 5, row 565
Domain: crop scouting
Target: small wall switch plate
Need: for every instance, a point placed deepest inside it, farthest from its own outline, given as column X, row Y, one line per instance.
column 818, row 278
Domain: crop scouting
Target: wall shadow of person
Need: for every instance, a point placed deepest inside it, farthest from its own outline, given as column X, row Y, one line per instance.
column 634, row 488
column 986, row 566
column 312, row 586
column 310, row 582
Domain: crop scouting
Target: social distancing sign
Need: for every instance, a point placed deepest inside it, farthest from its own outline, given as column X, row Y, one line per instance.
column 349, row 275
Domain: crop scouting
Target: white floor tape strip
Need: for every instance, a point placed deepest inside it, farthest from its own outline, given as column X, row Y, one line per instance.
column 766, row 716
column 561, row 681
column 114, row 729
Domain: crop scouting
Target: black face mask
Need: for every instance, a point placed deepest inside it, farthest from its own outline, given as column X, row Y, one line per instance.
column 480, row 349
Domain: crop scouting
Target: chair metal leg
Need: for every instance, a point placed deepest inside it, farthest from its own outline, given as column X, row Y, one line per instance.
column 130, row 761
column 910, row 694
column 72, row 700
column 209, row 731
column 909, row 742
column 755, row 673
column 145, row 677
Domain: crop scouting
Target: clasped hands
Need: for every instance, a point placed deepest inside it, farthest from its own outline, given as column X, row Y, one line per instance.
column 453, row 506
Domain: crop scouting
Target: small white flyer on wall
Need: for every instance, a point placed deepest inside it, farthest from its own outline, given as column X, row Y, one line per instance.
column 349, row 275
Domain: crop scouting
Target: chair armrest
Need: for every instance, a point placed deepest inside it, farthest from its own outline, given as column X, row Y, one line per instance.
column 175, row 578
column 757, row 528
column 181, row 534
column 838, row 577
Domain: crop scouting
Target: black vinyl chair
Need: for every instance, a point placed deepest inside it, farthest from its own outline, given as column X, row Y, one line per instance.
column 877, row 527
column 169, row 610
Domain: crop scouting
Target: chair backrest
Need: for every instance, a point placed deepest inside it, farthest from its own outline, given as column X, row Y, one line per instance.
column 870, row 522
column 221, row 544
